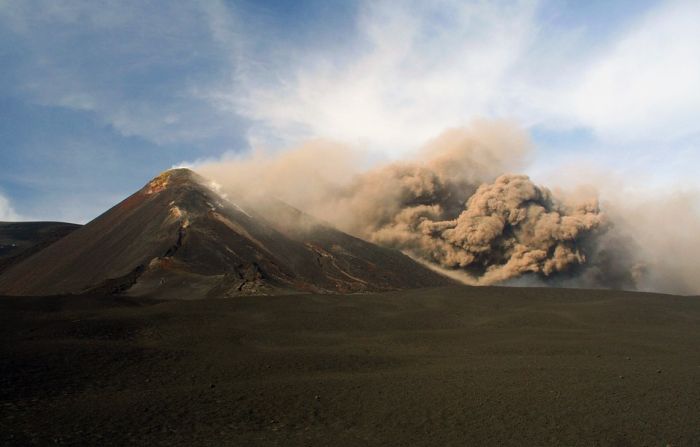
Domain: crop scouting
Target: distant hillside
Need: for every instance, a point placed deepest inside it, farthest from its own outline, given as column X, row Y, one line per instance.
column 20, row 240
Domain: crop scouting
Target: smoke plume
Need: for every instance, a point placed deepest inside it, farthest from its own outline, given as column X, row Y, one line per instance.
column 456, row 206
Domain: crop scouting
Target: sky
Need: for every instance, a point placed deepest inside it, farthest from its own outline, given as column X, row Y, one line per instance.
column 97, row 97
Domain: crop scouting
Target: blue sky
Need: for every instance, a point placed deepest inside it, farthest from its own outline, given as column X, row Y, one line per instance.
column 98, row 97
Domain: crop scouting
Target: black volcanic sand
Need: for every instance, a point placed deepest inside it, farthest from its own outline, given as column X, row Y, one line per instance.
column 453, row 366
column 20, row 240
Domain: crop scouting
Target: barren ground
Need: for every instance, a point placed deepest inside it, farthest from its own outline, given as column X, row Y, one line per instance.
column 450, row 366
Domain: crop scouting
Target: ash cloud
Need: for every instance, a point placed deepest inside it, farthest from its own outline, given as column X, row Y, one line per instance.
column 507, row 228
column 458, row 207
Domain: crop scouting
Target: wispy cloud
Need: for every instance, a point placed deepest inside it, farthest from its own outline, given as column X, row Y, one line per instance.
column 645, row 87
column 6, row 210
column 136, row 66
column 416, row 68
column 401, row 73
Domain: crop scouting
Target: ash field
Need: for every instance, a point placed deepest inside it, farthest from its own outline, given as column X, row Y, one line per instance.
column 182, row 317
column 437, row 366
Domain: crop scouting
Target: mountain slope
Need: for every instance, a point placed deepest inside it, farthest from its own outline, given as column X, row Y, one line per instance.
column 177, row 238
column 20, row 240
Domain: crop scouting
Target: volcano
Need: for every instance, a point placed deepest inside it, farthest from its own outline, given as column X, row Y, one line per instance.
column 179, row 238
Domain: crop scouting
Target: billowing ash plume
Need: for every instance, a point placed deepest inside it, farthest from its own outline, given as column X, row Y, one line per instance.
column 507, row 228
column 455, row 207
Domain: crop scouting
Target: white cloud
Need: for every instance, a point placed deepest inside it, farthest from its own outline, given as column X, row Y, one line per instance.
column 646, row 86
column 7, row 213
column 409, row 70
column 419, row 70
column 135, row 66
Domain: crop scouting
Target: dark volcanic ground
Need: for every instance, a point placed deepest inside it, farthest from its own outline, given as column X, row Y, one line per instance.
column 453, row 366
column 20, row 240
